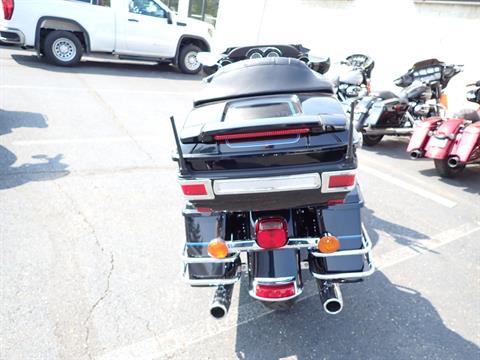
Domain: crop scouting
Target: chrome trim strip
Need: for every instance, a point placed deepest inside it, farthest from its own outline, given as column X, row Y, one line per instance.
column 210, row 282
column 267, row 184
column 353, row 275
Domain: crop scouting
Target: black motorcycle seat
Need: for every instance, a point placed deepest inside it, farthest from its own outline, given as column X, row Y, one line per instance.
column 468, row 114
column 385, row 95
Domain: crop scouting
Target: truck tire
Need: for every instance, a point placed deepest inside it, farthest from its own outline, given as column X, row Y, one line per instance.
column 62, row 48
column 187, row 61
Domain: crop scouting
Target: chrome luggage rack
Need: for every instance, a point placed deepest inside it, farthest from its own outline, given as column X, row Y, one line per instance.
column 237, row 246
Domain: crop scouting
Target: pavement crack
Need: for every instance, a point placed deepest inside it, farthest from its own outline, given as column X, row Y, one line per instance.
column 97, row 302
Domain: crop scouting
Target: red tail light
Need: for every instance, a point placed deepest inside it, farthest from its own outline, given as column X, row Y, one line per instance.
column 275, row 291
column 338, row 181
column 197, row 189
column 8, row 6
column 261, row 134
column 271, row 232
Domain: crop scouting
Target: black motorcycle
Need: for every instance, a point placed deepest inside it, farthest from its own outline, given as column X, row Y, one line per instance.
column 213, row 62
column 422, row 96
column 267, row 166
column 352, row 81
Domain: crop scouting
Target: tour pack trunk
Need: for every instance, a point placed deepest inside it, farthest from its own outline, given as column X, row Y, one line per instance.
column 275, row 150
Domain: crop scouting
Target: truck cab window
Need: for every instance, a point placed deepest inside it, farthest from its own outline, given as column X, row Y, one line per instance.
column 146, row 7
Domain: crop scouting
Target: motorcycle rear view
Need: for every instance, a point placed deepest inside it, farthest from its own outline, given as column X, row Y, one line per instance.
column 267, row 166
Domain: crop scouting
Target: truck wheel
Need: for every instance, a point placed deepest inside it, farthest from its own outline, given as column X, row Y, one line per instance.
column 279, row 305
column 446, row 171
column 187, row 61
column 62, row 48
column 371, row 140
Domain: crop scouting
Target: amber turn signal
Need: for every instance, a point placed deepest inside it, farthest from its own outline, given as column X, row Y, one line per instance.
column 444, row 100
column 218, row 249
column 328, row 244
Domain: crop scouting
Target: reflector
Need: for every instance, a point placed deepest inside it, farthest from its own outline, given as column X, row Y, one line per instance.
column 194, row 189
column 271, row 232
column 341, row 181
column 275, row 291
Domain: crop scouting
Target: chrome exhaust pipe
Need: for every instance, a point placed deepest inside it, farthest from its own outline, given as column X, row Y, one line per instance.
column 221, row 301
column 453, row 162
column 417, row 154
column 331, row 297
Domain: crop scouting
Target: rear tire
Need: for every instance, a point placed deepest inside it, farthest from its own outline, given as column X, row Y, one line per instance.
column 279, row 305
column 446, row 171
column 187, row 61
column 62, row 48
column 371, row 140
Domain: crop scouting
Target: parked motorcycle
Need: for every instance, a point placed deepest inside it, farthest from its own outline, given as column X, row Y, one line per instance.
column 213, row 62
column 267, row 165
column 422, row 96
column 452, row 143
column 353, row 81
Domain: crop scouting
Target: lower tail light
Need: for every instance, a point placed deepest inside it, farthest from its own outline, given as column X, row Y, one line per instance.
column 8, row 6
column 197, row 189
column 275, row 291
column 271, row 232
column 338, row 181
column 335, row 202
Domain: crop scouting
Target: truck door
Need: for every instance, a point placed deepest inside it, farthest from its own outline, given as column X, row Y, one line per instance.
column 143, row 29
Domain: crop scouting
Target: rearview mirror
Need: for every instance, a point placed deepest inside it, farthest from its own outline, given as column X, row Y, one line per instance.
column 169, row 17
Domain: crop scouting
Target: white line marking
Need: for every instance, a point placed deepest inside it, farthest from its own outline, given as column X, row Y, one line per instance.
column 407, row 186
column 176, row 339
column 84, row 89
column 99, row 140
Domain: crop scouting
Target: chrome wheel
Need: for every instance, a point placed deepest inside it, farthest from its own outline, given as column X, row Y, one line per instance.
column 191, row 62
column 64, row 49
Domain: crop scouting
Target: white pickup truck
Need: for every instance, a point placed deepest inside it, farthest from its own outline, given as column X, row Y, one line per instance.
column 63, row 30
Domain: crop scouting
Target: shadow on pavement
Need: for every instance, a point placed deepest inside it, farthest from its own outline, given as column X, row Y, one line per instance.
column 401, row 234
column 44, row 169
column 380, row 321
column 112, row 68
column 468, row 179
column 394, row 147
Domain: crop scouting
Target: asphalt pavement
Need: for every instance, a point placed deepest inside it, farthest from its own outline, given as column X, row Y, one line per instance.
column 91, row 228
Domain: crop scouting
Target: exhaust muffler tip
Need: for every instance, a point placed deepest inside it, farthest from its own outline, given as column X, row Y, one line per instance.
column 416, row 154
column 221, row 301
column 331, row 297
column 333, row 306
column 218, row 310
column 453, row 162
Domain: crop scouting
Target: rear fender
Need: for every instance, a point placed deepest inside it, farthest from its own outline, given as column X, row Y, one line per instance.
column 421, row 135
column 275, row 264
column 448, row 129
